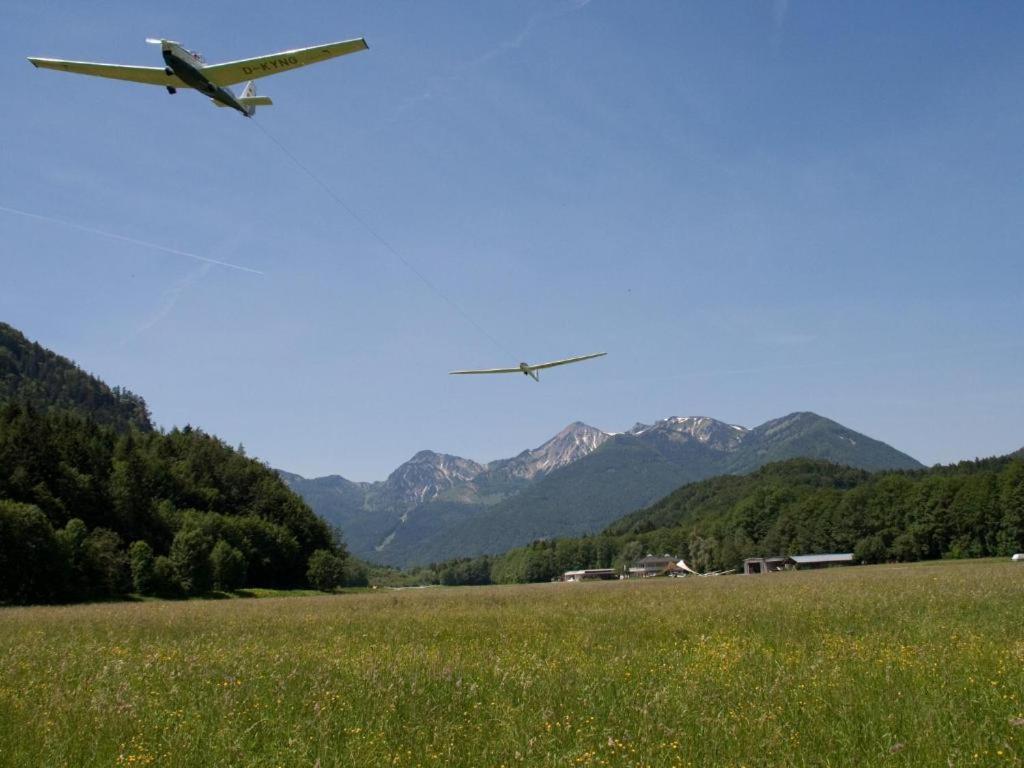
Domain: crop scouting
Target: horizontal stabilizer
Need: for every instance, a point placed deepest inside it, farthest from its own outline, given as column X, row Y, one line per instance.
column 167, row 45
column 248, row 101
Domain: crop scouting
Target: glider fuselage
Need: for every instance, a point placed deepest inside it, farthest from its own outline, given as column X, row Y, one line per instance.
column 533, row 371
column 528, row 371
column 190, row 71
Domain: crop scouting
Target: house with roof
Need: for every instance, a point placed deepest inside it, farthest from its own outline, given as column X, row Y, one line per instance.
column 653, row 565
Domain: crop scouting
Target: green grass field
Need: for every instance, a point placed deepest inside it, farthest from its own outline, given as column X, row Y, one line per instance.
column 906, row 666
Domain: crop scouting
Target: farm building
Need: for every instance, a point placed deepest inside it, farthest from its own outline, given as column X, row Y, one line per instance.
column 591, row 574
column 763, row 565
column 653, row 565
column 794, row 562
column 800, row 562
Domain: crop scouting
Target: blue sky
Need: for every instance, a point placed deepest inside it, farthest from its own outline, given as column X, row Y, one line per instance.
column 754, row 208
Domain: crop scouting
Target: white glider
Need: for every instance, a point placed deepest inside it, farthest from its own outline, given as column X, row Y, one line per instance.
column 187, row 69
column 530, row 370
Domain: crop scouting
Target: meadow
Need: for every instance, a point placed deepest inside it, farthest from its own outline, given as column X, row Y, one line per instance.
column 919, row 665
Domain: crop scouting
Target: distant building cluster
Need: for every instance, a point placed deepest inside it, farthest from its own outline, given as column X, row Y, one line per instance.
column 651, row 566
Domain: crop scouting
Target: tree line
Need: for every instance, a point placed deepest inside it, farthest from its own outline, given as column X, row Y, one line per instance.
column 971, row 509
column 89, row 511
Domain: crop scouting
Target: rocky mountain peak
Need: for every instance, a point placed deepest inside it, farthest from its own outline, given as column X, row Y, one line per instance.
column 702, row 429
column 572, row 443
column 426, row 476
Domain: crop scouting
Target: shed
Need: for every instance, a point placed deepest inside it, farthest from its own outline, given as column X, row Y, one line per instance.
column 754, row 565
column 795, row 562
column 820, row 561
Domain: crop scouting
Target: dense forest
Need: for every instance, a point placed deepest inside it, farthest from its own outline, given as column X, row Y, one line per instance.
column 88, row 511
column 30, row 373
column 95, row 503
column 971, row 509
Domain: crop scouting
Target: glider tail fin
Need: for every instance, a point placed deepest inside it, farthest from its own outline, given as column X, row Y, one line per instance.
column 250, row 100
column 249, row 96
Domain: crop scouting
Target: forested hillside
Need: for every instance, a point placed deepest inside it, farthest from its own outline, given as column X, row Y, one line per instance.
column 971, row 509
column 33, row 374
column 87, row 512
column 805, row 435
column 95, row 503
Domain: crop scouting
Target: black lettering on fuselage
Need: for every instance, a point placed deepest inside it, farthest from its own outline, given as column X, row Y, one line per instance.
column 274, row 65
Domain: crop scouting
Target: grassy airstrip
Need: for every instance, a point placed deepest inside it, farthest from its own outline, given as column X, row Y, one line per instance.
column 906, row 666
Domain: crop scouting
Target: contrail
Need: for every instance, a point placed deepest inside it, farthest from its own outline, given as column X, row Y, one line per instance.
column 124, row 239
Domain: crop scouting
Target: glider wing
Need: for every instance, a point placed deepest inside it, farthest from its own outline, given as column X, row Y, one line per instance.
column 232, row 72
column 486, row 370
column 567, row 360
column 147, row 75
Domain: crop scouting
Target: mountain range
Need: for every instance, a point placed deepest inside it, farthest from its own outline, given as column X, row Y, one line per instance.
column 436, row 506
